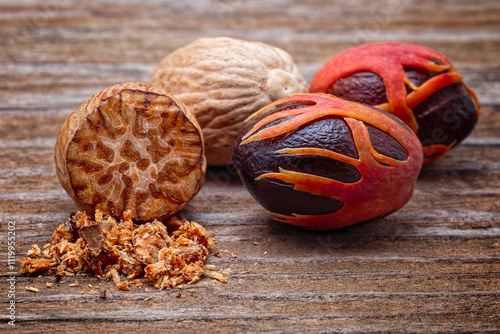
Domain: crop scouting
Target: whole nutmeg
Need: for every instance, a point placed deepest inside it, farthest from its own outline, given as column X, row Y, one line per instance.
column 417, row 84
column 322, row 163
column 131, row 147
column 224, row 80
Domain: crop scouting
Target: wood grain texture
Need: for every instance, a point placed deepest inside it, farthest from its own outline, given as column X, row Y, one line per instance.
column 433, row 266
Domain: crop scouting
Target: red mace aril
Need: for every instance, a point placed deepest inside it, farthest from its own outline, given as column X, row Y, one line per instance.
column 416, row 84
column 322, row 163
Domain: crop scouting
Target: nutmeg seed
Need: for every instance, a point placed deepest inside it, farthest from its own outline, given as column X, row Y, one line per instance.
column 322, row 163
column 415, row 83
column 131, row 147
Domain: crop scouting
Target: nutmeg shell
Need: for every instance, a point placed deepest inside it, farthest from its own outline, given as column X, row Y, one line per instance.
column 224, row 80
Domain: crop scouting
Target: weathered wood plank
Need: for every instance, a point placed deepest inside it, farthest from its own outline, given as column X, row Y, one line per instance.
column 318, row 33
column 433, row 266
column 214, row 307
column 68, row 85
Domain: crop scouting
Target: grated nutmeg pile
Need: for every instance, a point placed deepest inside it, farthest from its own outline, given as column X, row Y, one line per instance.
column 165, row 255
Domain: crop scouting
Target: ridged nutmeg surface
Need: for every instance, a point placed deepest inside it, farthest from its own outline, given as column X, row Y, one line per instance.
column 224, row 80
column 322, row 163
column 131, row 147
column 417, row 84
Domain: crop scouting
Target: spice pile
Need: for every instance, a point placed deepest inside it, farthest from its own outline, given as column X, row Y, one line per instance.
column 164, row 255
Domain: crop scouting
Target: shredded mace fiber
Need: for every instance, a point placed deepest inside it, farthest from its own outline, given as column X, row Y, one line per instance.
column 164, row 255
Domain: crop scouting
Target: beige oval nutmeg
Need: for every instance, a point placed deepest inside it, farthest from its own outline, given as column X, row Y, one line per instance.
column 224, row 80
column 131, row 147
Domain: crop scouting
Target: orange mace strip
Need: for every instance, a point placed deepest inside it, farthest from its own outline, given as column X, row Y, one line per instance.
column 388, row 60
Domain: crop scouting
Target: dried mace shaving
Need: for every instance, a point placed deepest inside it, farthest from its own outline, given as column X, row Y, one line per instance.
column 131, row 147
column 416, row 84
column 224, row 80
column 322, row 163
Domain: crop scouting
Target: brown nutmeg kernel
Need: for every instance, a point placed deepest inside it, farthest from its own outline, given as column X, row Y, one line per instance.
column 131, row 147
column 321, row 162
column 224, row 80
column 414, row 83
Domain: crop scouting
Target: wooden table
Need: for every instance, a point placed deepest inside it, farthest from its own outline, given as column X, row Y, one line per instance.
column 433, row 266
